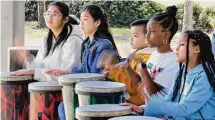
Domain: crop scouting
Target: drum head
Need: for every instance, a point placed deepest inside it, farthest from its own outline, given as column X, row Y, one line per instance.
column 70, row 79
column 135, row 118
column 44, row 86
column 102, row 110
column 5, row 77
column 100, row 87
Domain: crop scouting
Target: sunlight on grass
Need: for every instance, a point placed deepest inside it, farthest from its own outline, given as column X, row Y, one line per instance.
column 122, row 31
column 32, row 32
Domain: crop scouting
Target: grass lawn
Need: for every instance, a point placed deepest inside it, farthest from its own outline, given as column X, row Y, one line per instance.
column 32, row 32
column 120, row 31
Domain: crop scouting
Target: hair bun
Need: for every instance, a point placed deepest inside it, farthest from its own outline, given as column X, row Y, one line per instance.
column 171, row 10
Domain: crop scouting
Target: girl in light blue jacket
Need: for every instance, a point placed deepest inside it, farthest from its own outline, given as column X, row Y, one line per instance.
column 192, row 96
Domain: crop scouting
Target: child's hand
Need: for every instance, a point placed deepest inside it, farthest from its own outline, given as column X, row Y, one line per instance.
column 56, row 72
column 145, row 94
column 107, row 69
column 23, row 72
column 122, row 65
column 134, row 108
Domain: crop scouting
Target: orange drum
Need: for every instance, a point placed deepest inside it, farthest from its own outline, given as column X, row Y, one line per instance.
column 44, row 100
column 14, row 96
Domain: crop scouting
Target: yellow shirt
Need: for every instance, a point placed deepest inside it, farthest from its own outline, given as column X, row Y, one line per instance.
column 121, row 75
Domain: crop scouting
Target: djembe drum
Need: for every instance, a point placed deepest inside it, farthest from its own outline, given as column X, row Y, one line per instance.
column 44, row 100
column 100, row 92
column 101, row 111
column 135, row 118
column 68, row 83
column 14, row 96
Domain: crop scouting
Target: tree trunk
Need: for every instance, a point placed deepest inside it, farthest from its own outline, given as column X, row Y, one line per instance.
column 41, row 10
column 188, row 15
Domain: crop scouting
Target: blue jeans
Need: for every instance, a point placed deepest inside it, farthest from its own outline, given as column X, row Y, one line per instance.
column 61, row 111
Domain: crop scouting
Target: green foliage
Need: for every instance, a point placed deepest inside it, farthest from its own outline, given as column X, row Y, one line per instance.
column 149, row 8
column 179, row 15
column 122, row 13
column 197, row 10
column 203, row 18
column 31, row 11
column 210, row 12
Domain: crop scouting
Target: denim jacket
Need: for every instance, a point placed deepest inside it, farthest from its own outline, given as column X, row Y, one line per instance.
column 197, row 99
column 91, row 53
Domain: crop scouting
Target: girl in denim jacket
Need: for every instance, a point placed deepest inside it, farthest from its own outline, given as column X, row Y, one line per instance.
column 94, row 25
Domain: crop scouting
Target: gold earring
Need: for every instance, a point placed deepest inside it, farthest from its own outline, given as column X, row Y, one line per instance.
column 164, row 41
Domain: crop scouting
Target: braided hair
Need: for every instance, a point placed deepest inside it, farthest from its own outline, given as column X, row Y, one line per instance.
column 206, row 58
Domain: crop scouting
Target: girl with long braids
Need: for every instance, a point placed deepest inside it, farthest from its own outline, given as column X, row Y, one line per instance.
column 192, row 96
column 60, row 47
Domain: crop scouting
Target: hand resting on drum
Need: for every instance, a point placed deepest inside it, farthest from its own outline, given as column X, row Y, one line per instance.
column 23, row 72
column 134, row 108
column 57, row 72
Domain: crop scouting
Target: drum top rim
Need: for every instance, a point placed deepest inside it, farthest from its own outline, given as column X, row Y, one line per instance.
column 102, row 110
column 80, row 77
column 135, row 118
column 50, row 85
column 100, row 86
column 5, row 76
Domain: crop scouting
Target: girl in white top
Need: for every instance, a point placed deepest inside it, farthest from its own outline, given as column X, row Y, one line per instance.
column 61, row 47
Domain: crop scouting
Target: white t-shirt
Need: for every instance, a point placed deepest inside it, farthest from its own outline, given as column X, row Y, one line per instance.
column 65, row 57
column 163, row 68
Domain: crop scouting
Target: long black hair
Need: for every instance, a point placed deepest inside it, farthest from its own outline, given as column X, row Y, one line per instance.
column 167, row 20
column 98, row 13
column 206, row 57
column 66, row 31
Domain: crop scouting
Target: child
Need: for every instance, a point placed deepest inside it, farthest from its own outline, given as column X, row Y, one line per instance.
column 192, row 96
column 119, row 72
column 94, row 25
column 61, row 47
column 157, row 75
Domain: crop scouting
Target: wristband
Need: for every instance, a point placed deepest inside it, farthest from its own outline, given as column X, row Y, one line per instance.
column 143, row 65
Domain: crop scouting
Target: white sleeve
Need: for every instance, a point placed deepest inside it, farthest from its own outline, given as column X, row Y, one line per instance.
column 36, row 62
column 71, row 53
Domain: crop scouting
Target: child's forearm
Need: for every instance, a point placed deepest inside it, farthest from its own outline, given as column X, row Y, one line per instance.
column 133, row 75
column 149, row 83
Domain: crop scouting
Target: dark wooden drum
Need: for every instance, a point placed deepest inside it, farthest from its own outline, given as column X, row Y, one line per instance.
column 14, row 96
